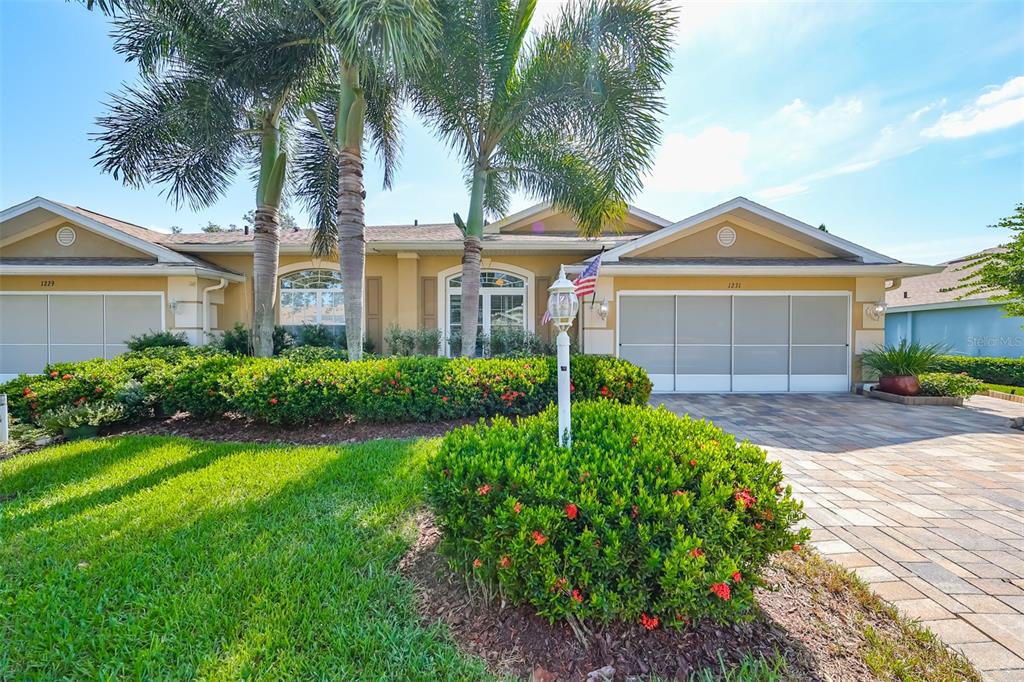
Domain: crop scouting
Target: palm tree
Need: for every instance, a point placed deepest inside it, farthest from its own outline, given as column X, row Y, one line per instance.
column 569, row 115
column 375, row 44
column 220, row 86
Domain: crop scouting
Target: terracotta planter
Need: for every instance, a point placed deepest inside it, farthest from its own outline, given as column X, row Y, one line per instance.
column 906, row 385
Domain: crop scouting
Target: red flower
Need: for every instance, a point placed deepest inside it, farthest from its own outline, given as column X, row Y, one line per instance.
column 693, row 462
column 696, row 552
column 796, row 547
column 649, row 622
column 26, row 392
column 484, row 489
column 444, row 398
column 99, row 389
column 538, row 538
column 737, row 577
column 745, row 498
column 758, row 526
column 477, row 563
column 570, row 511
column 635, row 511
column 53, row 374
column 273, row 401
column 677, row 493
column 604, row 390
column 560, row 584
column 577, row 596
column 66, row 377
column 721, row 590
column 517, row 507
column 434, row 389
column 572, row 387
column 505, row 562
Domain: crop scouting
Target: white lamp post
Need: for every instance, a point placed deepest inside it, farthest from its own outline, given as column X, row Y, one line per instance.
column 562, row 307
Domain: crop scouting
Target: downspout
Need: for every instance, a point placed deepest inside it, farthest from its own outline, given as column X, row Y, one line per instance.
column 894, row 283
column 206, row 307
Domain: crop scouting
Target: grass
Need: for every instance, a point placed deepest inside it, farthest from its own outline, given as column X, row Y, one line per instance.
column 904, row 651
column 751, row 669
column 169, row 558
column 1013, row 390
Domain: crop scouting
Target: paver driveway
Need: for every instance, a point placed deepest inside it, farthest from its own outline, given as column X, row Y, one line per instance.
column 924, row 503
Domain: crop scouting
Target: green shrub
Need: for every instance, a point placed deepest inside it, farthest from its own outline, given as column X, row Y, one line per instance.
column 406, row 342
column 650, row 517
column 948, row 384
column 314, row 354
column 1005, row 371
column 238, row 340
column 309, row 384
column 99, row 413
column 906, row 359
column 195, row 385
column 157, row 340
column 317, row 335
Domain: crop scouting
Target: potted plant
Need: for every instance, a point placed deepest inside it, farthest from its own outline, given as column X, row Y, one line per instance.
column 899, row 366
column 76, row 422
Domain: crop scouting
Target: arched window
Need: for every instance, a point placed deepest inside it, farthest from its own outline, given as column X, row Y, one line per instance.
column 502, row 302
column 312, row 297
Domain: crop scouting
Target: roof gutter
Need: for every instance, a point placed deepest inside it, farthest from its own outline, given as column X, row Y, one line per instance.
column 852, row 270
column 420, row 247
column 118, row 271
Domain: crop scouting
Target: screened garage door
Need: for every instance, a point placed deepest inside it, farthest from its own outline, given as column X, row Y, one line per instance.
column 39, row 328
column 711, row 343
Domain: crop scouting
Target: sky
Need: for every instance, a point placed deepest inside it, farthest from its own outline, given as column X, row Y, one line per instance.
column 899, row 126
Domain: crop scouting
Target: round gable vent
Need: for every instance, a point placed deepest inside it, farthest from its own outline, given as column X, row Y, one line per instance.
column 727, row 237
column 66, row 236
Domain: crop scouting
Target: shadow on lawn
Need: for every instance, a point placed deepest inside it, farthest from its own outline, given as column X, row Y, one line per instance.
column 228, row 561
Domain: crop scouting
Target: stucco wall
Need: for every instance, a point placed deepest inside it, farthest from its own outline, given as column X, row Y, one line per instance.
column 87, row 245
column 982, row 331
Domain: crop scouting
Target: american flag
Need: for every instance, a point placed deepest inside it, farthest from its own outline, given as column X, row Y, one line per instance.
column 585, row 283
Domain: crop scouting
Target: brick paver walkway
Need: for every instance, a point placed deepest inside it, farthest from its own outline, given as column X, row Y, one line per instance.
column 924, row 503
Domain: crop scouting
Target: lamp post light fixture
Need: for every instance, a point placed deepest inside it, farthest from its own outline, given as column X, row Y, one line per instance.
column 562, row 308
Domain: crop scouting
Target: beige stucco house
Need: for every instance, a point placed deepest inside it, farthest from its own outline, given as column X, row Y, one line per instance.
column 736, row 298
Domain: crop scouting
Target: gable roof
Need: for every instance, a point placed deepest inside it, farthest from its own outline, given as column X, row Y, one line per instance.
column 547, row 207
column 829, row 242
column 135, row 236
column 927, row 290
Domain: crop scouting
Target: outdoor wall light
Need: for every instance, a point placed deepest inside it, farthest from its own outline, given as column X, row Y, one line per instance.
column 875, row 310
column 602, row 309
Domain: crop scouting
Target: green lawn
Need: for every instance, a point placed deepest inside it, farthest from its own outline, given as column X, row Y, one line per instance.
column 169, row 558
column 1016, row 390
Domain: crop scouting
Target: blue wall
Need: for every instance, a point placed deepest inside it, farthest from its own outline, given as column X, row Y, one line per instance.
column 973, row 330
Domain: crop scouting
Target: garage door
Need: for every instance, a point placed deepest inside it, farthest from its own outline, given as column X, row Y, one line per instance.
column 710, row 343
column 39, row 328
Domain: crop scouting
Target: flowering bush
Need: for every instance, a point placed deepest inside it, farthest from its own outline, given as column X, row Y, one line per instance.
column 949, row 384
column 306, row 387
column 651, row 518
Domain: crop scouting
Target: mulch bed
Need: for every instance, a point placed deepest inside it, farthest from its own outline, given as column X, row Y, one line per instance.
column 235, row 427
column 817, row 631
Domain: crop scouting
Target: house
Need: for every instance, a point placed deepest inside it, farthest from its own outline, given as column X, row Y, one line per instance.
column 736, row 298
column 923, row 309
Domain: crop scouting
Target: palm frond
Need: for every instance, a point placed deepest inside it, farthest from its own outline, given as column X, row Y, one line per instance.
column 383, row 92
column 399, row 33
column 316, row 176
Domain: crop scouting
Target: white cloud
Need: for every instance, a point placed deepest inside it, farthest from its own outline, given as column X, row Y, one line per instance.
column 782, row 191
column 711, row 161
column 1000, row 107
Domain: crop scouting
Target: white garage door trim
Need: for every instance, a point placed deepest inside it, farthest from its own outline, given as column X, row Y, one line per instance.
column 734, row 382
column 105, row 344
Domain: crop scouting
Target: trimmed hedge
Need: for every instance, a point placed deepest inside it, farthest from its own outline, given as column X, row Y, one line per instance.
column 284, row 391
column 947, row 384
column 1006, row 371
column 650, row 517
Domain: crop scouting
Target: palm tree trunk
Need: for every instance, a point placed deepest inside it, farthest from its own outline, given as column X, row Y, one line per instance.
column 352, row 246
column 351, row 220
column 267, row 235
column 266, row 250
column 472, row 248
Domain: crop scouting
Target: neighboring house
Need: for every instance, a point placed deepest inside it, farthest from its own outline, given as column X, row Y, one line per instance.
column 920, row 310
column 736, row 298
